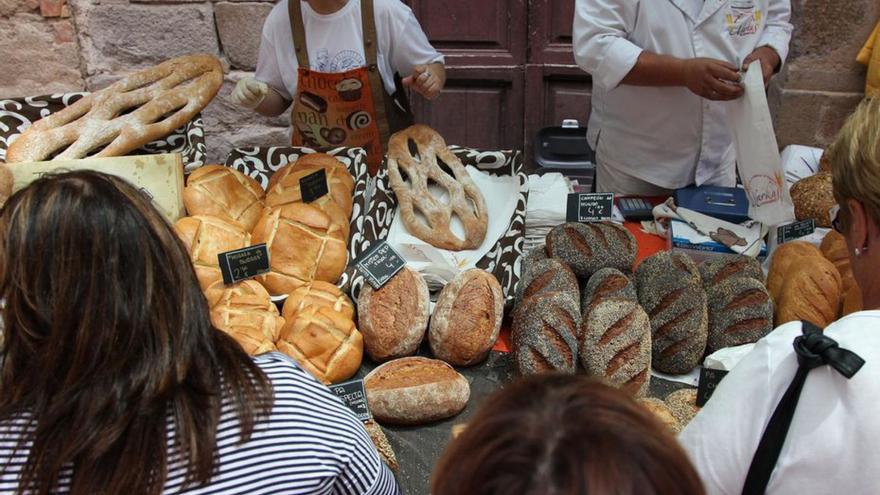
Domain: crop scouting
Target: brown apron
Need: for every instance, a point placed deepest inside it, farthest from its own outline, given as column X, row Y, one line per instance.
column 347, row 108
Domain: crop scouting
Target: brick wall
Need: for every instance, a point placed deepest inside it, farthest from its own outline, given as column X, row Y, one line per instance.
column 51, row 46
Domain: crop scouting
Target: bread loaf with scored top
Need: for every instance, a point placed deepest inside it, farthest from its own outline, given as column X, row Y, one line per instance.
column 545, row 332
column 617, row 344
column 812, row 292
column 785, row 257
column 718, row 270
column 740, row 312
column 544, row 276
column 467, row 318
column 605, row 284
column 587, row 248
column 394, row 318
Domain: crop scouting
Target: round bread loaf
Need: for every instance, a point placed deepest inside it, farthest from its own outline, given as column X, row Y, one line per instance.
column 813, row 197
column 587, row 248
column 717, row 270
column 605, row 284
column 415, row 390
column 671, row 292
column 205, row 237
column 394, row 318
column 535, row 254
column 740, row 312
column 225, row 193
column 545, row 332
column 304, row 245
column 546, row 275
column 812, row 292
column 683, row 405
column 318, row 293
column 467, row 318
column 328, row 162
column 661, row 411
column 324, row 342
column 285, row 188
column 617, row 344
column 784, row 257
column 245, row 311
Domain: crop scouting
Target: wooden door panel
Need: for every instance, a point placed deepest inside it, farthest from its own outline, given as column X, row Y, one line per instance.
column 479, row 107
column 550, row 27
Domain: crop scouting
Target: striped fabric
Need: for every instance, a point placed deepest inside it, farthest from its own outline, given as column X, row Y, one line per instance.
column 311, row 444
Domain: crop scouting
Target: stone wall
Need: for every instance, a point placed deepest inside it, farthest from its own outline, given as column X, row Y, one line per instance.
column 52, row 46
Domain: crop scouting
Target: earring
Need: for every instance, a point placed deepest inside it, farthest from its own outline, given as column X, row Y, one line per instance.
column 858, row 252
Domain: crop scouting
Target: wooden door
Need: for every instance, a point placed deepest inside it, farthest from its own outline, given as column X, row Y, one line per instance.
column 510, row 71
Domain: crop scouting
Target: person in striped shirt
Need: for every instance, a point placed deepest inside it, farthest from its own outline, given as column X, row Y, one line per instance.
column 113, row 380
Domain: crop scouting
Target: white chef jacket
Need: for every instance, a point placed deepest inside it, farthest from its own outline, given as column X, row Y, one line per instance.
column 831, row 447
column 667, row 135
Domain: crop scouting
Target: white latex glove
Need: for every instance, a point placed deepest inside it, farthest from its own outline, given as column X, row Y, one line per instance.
column 249, row 92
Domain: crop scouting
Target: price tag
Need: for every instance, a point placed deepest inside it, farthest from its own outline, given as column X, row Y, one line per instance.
column 313, row 186
column 354, row 397
column 380, row 263
column 709, row 380
column 792, row 231
column 585, row 208
column 244, row 263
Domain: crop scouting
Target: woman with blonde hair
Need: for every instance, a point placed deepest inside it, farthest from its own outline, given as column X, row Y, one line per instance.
column 740, row 442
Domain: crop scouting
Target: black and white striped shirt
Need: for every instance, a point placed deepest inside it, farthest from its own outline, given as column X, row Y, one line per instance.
column 310, row 444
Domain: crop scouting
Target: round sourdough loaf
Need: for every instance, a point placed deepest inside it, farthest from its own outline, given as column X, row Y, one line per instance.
column 587, row 248
column 205, row 237
column 717, row 270
column 467, row 318
column 740, row 312
column 224, row 193
column 246, row 312
column 617, row 344
column 545, row 334
column 811, row 292
column 546, row 275
column 318, row 293
column 415, row 390
column 324, row 342
column 671, row 292
column 304, row 245
column 394, row 318
column 605, row 284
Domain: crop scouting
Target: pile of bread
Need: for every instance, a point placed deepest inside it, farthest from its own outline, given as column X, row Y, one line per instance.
column 813, row 284
column 669, row 314
column 813, row 196
column 307, row 245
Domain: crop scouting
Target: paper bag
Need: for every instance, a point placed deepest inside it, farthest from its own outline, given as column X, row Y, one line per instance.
column 757, row 152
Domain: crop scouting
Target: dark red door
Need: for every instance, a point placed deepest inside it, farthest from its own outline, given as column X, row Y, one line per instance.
column 510, row 70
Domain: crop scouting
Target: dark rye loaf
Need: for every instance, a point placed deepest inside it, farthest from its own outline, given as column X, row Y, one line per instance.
column 544, row 334
column 605, row 284
column 671, row 292
column 717, row 270
column 545, row 276
column 617, row 344
column 587, row 248
column 740, row 312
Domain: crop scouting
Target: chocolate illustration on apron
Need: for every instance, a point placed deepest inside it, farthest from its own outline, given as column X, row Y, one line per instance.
column 348, row 108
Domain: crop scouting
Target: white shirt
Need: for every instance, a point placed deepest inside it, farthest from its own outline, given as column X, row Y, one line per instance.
column 832, row 446
column 336, row 44
column 667, row 135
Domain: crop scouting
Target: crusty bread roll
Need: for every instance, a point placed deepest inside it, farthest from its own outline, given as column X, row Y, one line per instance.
column 205, row 237
column 225, row 193
column 671, row 291
column 811, row 292
column 286, row 189
column 415, row 390
column 304, row 245
column 740, row 312
column 467, row 318
column 394, row 318
column 545, row 334
column 617, row 344
column 662, row 412
column 324, row 342
column 784, row 257
column 544, row 276
column 318, row 293
column 813, row 197
column 683, row 405
column 587, row 248
column 605, row 284
column 246, row 312
column 717, row 270
column 323, row 160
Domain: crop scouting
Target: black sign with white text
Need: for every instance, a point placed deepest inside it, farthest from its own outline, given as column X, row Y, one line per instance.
column 380, row 263
column 792, row 231
column 313, row 186
column 709, row 380
column 583, row 208
column 354, row 397
column 244, row 263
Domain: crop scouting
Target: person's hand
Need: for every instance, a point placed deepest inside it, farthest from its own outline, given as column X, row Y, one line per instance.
column 712, row 79
column 249, row 92
column 424, row 82
column 770, row 61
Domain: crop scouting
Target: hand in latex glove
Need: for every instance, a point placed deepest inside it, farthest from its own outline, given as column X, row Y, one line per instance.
column 249, row 92
column 712, row 79
column 770, row 62
column 424, row 81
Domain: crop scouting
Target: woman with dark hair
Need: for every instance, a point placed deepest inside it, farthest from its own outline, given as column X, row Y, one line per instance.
column 564, row 435
column 113, row 380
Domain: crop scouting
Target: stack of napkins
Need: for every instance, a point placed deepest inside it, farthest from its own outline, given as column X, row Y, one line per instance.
column 546, row 206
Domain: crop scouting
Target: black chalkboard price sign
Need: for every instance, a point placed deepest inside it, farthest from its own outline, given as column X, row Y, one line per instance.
column 379, row 264
column 709, row 380
column 354, row 396
column 583, row 207
column 792, row 231
column 244, row 263
column 313, row 186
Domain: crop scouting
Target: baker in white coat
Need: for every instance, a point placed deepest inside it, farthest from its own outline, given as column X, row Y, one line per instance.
column 661, row 69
